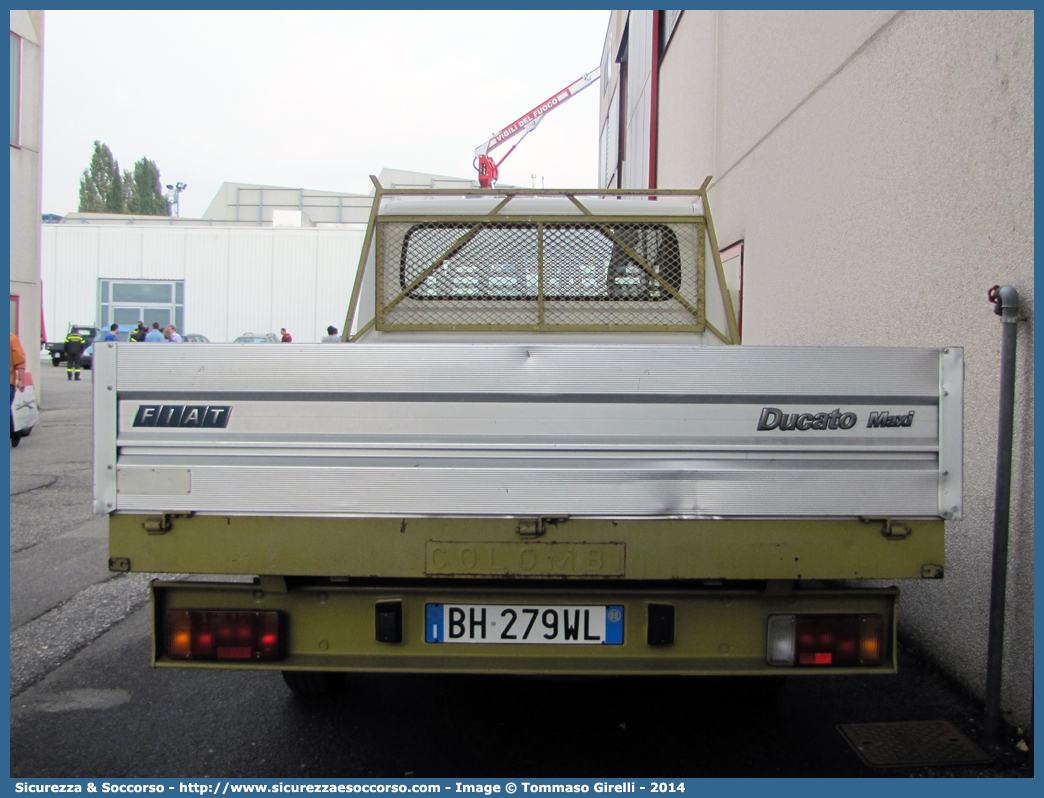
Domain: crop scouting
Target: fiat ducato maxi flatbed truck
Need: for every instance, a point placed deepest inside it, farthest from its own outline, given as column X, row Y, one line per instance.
column 539, row 450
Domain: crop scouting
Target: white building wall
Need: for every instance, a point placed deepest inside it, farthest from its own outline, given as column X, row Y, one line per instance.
column 686, row 140
column 772, row 61
column 608, row 113
column 162, row 253
column 293, row 300
column 639, row 100
column 254, row 279
column 249, row 283
column 70, row 296
column 336, row 262
column 878, row 167
column 918, row 201
column 637, row 26
column 206, row 284
column 119, row 255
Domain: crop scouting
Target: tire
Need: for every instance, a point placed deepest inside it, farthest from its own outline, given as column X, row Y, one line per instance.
column 56, row 361
column 312, row 684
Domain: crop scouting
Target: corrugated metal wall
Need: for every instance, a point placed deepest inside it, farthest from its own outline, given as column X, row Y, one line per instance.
column 207, row 304
column 236, row 280
column 72, row 299
column 249, row 284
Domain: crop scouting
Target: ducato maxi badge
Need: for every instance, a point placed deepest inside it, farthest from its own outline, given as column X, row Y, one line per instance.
column 774, row 418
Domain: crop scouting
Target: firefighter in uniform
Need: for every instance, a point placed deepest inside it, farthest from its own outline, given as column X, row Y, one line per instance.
column 74, row 346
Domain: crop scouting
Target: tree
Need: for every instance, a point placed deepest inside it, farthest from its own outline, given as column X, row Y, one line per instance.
column 100, row 185
column 114, row 199
column 146, row 193
column 104, row 190
column 128, row 188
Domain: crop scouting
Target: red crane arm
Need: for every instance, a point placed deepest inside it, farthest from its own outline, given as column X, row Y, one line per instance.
column 487, row 167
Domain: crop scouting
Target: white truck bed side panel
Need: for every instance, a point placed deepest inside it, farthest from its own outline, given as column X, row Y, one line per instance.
column 524, row 430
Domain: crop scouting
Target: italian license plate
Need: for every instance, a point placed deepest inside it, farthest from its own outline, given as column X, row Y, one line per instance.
column 539, row 624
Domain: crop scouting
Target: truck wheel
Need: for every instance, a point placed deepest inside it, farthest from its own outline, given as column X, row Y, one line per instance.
column 56, row 361
column 309, row 684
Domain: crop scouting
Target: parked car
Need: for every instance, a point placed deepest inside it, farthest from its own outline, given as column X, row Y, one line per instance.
column 194, row 338
column 257, row 338
column 57, row 349
column 122, row 334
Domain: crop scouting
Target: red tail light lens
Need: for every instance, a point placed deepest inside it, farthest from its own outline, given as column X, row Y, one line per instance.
column 824, row 640
column 223, row 635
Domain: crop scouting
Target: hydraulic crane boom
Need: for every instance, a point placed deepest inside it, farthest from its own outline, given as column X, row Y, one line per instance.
column 488, row 169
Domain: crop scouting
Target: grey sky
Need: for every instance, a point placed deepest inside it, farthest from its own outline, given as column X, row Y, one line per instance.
column 315, row 100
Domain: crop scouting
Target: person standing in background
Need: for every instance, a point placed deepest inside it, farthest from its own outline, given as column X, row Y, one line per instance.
column 111, row 334
column 17, row 377
column 74, row 346
column 154, row 333
column 331, row 336
column 173, row 336
column 140, row 333
column 286, row 336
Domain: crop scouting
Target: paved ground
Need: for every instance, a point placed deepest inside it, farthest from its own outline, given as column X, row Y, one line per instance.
column 106, row 713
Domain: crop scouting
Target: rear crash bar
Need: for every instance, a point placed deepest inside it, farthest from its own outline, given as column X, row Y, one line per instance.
column 448, row 629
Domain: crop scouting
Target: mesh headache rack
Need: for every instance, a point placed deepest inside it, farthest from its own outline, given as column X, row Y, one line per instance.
column 544, row 259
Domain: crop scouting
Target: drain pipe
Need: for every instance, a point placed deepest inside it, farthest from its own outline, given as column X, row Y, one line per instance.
column 1006, row 305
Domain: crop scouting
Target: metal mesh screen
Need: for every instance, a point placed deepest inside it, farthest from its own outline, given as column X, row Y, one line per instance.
column 540, row 274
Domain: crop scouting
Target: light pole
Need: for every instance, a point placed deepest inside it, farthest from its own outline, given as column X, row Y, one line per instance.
column 176, row 190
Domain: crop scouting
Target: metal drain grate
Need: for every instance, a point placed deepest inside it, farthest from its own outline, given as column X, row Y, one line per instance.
column 910, row 743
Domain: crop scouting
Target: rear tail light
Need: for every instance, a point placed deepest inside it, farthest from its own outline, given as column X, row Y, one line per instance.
column 226, row 635
column 825, row 640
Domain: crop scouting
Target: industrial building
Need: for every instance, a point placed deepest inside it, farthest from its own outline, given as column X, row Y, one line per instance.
column 261, row 258
column 873, row 173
